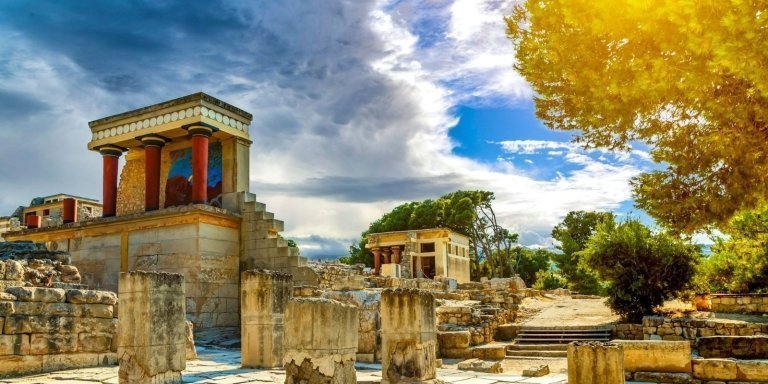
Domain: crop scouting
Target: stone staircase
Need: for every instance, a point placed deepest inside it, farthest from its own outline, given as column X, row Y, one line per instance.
column 552, row 342
column 262, row 247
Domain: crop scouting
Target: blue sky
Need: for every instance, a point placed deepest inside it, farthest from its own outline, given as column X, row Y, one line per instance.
column 358, row 106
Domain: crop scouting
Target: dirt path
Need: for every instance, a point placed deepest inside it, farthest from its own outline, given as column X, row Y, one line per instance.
column 558, row 311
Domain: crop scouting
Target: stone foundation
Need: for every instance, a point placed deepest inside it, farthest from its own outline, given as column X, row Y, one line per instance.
column 408, row 336
column 660, row 328
column 746, row 303
column 739, row 347
column 730, row 370
column 263, row 296
column 151, row 342
column 320, row 341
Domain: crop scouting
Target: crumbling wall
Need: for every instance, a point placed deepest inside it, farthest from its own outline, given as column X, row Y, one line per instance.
column 48, row 329
column 24, row 263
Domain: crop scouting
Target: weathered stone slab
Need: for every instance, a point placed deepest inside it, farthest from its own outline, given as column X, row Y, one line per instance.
column 86, row 296
column 537, row 371
column 190, row 344
column 595, row 363
column 63, row 309
column 263, row 298
column 151, row 337
column 44, row 344
column 15, row 365
column 14, row 270
column 320, row 341
column 478, row 365
column 46, row 295
column 739, row 347
column 656, row 356
column 69, row 361
column 715, row 369
column 94, row 342
column 663, row 377
column 453, row 339
column 5, row 296
column 408, row 336
column 7, row 308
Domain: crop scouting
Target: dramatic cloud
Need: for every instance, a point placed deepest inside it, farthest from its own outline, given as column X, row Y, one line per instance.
column 352, row 102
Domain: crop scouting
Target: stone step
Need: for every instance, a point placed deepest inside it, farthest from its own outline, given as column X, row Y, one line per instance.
column 535, row 353
column 563, row 340
column 537, row 347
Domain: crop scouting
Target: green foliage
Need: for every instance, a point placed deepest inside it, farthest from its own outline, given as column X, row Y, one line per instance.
column 529, row 263
column 573, row 233
column 685, row 77
column 739, row 263
column 642, row 268
column 548, row 280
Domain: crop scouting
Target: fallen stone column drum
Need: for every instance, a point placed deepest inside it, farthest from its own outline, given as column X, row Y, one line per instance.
column 593, row 362
column 320, row 341
column 151, row 328
column 263, row 297
column 408, row 336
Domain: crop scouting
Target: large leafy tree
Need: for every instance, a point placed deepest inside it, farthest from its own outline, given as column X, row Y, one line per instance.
column 642, row 268
column 530, row 262
column 686, row 77
column 467, row 212
column 573, row 233
column 739, row 261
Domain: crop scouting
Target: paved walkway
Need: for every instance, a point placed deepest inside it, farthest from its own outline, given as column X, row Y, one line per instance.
column 222, row 366
column 567, row 312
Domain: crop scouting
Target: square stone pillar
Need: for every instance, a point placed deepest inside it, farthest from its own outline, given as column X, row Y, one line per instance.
column 263, row 297
column 320, row 341
column 408, row 336
column 595, row 362
column 151, row 328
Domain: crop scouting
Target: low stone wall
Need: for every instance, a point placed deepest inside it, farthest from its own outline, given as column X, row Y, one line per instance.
column 627, row 331
column 747, row 303
column 656, row 356
column 661, row 328
column 340, row 276
column 48, row 329
column 739, row 347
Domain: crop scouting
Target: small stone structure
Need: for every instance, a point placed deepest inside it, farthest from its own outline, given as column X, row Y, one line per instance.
column 320, row 341
column 656, row 356
column 151, row 341
column 595, row 363
column 263, row 297
column 408, row 336
column 48, row 329
column 730, row 371
column 740, row 303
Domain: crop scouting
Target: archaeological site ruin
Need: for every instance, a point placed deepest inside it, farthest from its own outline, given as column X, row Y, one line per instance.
column 184, row 278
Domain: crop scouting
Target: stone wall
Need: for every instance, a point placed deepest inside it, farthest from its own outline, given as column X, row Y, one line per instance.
column 340, row 276
column 31, row 264
column 369, row 331
column 627, row 331
column 747, row 303
column 130, row 191
column 48, row 329
column 740, row 347
column 661, row 328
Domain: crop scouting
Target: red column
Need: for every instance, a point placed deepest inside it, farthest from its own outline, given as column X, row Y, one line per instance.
column 396, row 254
column 110, row 154
column 200, row 136
column 69, row 210
column 376, row 260
column 153, row 145
column 386, row 255
column 34, row 221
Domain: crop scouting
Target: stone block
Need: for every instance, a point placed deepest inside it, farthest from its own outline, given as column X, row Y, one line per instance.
column 390, row 270
column 7, row 308
column 14, row 344
column 537, row 371
column 490, row 352
column 5, row 296
column 453, row 339
column 663, row 377
column 715, row 369
column 409, row 336
column 14, row 270
column 46, row 295
column 595, row 363
column 44, row 344
column 86, row 296
column 151, row 337
column 739, row 347
column 69, row 361
column 264, row 296
column 315, row 351
column 15, row 365
column 95, row 342
column 38, row 324
column 478, row 365
column 656, row 356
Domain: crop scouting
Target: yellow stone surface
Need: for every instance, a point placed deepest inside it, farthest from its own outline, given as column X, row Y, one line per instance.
column 656, row 356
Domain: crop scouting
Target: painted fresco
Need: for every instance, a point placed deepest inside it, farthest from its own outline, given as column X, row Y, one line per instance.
column 178, row 186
